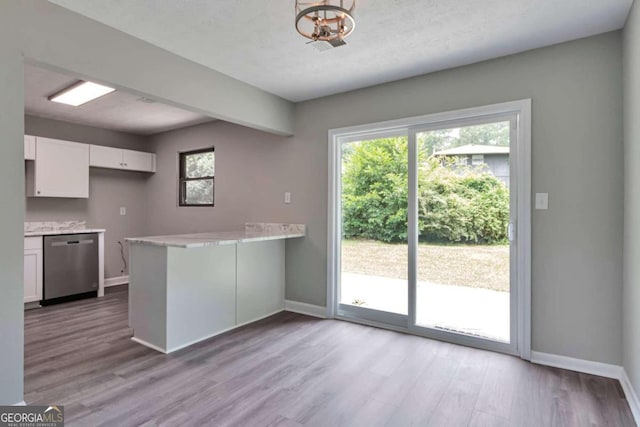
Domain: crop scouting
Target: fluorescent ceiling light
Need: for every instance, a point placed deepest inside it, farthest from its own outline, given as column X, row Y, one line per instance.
column 81, row 93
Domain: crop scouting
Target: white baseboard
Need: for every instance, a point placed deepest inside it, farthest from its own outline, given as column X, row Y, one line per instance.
column 206, row 337
column 631, row 395
column 308, row 309
column 579, row 365
column 115, row 281
column 149, row 345
column 23, row 403
column 593, row 368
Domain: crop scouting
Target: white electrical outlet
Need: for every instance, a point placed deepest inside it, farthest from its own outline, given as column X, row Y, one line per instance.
column 123, row 210
column 287, row 197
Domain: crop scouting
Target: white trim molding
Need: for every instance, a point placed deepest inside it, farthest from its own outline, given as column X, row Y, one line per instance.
column 304, row 308
column 23, row 403
column 116, row 281
column 631, row 395
column 148, row 345
column 579, row 365
column 594, row 368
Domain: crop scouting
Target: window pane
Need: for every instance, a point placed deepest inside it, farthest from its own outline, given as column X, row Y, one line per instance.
column 199, row 165
column 199, row 192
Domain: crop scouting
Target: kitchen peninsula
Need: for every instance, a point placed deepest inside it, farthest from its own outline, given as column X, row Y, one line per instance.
column 187, row 288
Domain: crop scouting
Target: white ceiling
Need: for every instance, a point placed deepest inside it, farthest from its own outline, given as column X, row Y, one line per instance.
column 117, row 111
column 255, row 40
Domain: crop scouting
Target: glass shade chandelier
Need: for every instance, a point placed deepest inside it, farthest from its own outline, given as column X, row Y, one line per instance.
column 325, row 20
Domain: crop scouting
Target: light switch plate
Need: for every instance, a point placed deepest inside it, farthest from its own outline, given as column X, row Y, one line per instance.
column 123, row 210
column 287, row 197
column 542, row 201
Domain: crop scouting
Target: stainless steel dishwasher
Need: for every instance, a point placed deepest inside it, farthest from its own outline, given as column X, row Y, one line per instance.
column 70, row 267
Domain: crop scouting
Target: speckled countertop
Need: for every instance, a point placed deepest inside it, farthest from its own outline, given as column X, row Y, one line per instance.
column 57, row 232
column 49, row 228
column 253, row 232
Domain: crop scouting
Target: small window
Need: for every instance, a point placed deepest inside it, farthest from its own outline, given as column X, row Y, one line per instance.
column 197, row 173
column 477, row 159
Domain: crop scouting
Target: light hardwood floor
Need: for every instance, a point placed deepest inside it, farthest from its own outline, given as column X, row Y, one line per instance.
column 292, row 370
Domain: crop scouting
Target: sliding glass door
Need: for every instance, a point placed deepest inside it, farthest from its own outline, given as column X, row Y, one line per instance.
column 463, row 252
column 374, row 249
column 424, row 229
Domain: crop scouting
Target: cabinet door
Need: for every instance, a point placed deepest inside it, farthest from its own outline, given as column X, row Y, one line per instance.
column 61, row 169
column 105, row 157
column 32, row 275
column 139, row 161
column 29, row 147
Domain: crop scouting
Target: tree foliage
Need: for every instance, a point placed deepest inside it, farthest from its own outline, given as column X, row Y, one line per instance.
column 461, row 204
column 486, row 134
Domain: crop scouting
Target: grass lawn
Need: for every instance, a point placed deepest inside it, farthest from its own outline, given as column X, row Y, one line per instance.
column 476, row 266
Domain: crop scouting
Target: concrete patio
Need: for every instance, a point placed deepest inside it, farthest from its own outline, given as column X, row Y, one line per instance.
column 474, row 311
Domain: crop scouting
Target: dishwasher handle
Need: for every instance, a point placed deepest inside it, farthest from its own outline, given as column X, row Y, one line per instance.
column 72, row 242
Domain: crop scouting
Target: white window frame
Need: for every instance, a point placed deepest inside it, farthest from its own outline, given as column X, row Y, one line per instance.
column 522, row 166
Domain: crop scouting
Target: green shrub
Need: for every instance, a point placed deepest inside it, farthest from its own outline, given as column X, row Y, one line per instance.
column 455, row 204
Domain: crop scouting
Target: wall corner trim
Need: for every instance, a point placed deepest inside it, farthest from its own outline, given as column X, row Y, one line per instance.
column 632, row 396
column 23, row 403
column 594, row 368
column 308, row 309
column 115, row 281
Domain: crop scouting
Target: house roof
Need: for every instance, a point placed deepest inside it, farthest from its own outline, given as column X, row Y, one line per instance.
column 471, row 149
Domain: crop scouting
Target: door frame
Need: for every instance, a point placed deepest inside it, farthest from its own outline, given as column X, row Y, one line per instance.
column 522, row 166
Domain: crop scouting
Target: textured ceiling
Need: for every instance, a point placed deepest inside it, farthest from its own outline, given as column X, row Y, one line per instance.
column 255, row 40
column 117, row 111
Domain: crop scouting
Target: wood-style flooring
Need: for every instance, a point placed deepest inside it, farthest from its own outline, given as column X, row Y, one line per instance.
column 292, row 370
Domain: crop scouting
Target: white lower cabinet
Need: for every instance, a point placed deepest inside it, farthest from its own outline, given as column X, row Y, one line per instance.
column 32, row 269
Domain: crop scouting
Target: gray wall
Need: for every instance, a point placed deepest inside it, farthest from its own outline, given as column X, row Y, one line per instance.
column 631, row 290
column 249, row 182
column 11, row 215
column 576, row 90
column 108, row 190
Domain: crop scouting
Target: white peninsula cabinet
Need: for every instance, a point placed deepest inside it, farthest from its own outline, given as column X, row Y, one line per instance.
column 32, row 269
column 116, row 158
column 187, row 288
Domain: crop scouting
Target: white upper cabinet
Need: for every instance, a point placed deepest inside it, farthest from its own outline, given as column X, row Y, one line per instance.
column 139, row 161
column 105, row 157
column 61, row 169
column 116, row 158
column 29, row 147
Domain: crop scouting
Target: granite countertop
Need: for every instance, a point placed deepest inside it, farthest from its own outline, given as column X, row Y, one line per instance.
column 253, row 232
column 49, row 228
column 56, row 232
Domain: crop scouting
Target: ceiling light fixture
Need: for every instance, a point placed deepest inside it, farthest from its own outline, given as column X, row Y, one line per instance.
column 81, row 93
column 325, row 20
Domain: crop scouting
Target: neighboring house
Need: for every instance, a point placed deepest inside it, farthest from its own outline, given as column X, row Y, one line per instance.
column 495, row 157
